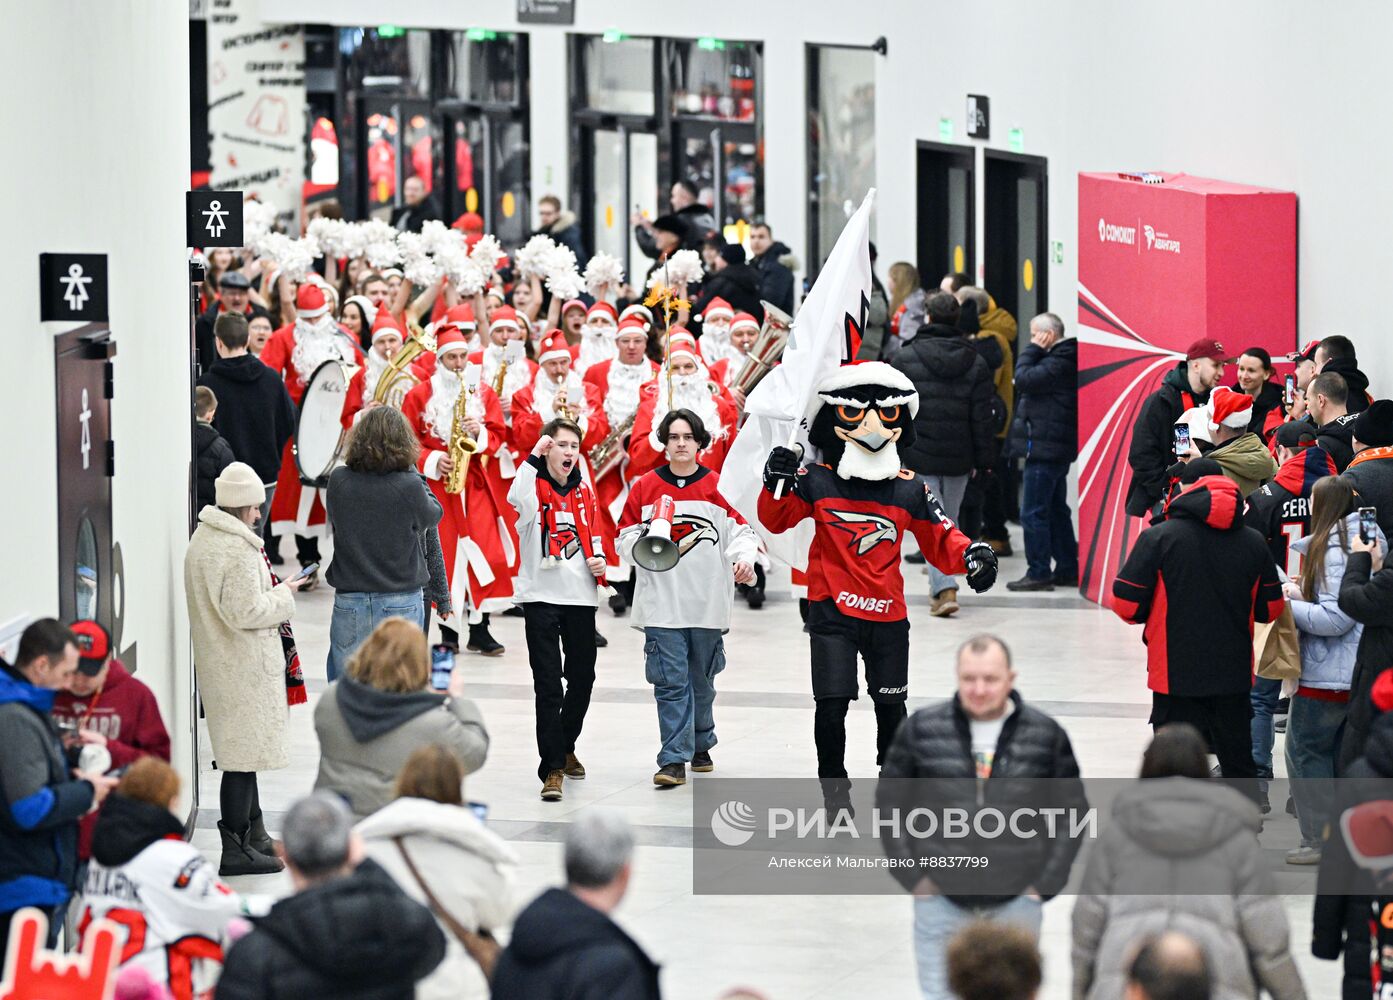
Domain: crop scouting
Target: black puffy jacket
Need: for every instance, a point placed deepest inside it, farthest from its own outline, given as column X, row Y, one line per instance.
column 562, row 949
column 255, row 415
column 354, row 938
column 1368, row 599
column 738, row 284
column 1153, row 439
column 1355, row 380
column 211, row 455
column 930, row 764
column 1046, row 425
column 954, row 431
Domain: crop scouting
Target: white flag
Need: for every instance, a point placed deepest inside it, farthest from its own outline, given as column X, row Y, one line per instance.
column 825, row 334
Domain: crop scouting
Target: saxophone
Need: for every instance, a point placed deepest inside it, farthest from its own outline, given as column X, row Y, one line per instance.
column 461, row 444
column 610, row 452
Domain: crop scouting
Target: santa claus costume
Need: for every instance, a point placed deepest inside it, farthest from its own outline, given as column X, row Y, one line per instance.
column 729, row 366
column 695, row 391
column 462, row 318
column 294, row 352
column 714, row 342
column 387, row 339
column 504, row 327
column 596, row 338
column 477, row 527
column 533, row 405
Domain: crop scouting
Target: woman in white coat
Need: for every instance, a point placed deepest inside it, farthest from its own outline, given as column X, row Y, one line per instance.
column 234, row 617
column 466, row 867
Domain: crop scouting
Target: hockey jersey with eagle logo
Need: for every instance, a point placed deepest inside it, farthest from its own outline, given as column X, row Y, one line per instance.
column 854, row 559
column 710, row 535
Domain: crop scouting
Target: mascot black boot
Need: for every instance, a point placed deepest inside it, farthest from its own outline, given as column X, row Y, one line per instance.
column 862, row 503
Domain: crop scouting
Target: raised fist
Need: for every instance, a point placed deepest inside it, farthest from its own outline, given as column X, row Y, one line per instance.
column 781, row 467
column 981, row 566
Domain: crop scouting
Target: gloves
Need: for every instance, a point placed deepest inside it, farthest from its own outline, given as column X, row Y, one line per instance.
column 981, row 566
column 781, row 467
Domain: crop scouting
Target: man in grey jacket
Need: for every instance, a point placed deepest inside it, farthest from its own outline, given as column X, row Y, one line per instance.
column 42, row 801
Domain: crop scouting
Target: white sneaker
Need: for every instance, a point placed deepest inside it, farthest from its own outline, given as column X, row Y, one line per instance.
column 1303, row 855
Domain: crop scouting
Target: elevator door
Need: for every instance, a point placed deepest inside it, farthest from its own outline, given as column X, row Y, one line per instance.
column 623, row 178
column 1017, row 251
column 946, row 185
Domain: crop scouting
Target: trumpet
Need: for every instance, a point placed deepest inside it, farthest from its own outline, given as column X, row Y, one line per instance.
column 562, row 406
column 462, row 446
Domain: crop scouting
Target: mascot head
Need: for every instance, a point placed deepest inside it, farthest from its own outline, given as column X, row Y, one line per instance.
column 861, row 414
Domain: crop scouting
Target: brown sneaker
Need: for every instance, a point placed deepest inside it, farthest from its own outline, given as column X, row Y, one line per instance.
column 670, row 774
column 702, row 762
column 945, row 603
column 551, row 788
column 574, row 768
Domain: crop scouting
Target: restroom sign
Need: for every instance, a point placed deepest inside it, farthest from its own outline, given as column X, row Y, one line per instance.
column 72, row 286
column 214, row 218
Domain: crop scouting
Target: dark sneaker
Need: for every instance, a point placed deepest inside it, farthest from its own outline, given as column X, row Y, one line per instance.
column 1030, row 583
column 1066, row 579
column 480, row 641
column 600, row 641
column 1001, row 546
column 670, row 774
column 1279, row 723
column 574, row 768
column 702, row 762
column 917, row 558
column 618, row 603
column 514, row 612
column 754, row 597
column 551, row 787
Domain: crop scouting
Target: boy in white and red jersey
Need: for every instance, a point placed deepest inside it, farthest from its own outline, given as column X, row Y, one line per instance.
column 862, row 503
column 685, row 610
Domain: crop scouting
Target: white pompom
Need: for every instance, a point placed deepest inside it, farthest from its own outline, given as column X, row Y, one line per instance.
column 332, row 235
column 468, row 277
column 565, row 284
column 684, row 266
column 486, row 253
column 604, row 272
column 530, row 259
column 258, row 219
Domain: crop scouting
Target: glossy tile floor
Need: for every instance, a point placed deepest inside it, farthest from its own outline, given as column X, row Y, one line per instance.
column 1081, row 664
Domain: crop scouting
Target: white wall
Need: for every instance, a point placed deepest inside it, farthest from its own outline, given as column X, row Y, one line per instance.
column 97, row 126
column 1270, row 92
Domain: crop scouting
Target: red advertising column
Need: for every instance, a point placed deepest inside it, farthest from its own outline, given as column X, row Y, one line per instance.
column 1164, row 259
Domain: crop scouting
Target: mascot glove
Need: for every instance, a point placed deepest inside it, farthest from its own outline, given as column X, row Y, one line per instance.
column 981, row 566
column 781, row 467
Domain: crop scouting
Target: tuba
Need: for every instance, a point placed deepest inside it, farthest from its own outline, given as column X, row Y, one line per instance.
column 399, row 379
column 461, row 445
column 767, row 349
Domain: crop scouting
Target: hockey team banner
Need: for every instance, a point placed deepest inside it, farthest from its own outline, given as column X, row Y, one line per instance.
column 256, row 105
column 826, row 332
column 1164, row 259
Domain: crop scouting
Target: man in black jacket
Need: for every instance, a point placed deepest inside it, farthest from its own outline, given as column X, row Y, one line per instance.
column 1371, row 469
column 561, row 225
column 1366, row 595
column 1327, row 404
column 1186, row 385
column 990, row 747
column 775, row 278
column 419, row 207
column 1197, row 581
column 1045, row 433
column 348, row 932
column 691, row 221
column 234, row 297
column 564, row 945
column 1336, row 354
column 954, row 429
column 254, row 414
column 732, row 280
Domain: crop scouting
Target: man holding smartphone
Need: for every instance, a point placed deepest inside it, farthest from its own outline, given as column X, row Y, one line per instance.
column 1371, row 470
column 562, row 565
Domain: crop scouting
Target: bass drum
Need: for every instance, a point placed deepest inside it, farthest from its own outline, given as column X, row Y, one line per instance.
column 319, row 431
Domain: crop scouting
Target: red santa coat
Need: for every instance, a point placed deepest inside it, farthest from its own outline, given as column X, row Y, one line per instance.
column 646, row 454
column 478, row 527
column 358, row 396
column 528, row 423
column 278, row 355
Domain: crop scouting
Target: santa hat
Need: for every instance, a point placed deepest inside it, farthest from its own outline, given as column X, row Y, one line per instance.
column 364, row 303
column 681, row 335
column 601, row 309
column 634, row 324
column 505, row 316
column 570, row 304
column 744, row 320
column 639, row 310
column 392, row 272
column 1228, row 408
column 461, row 316
column 717, row 308
column 554, row 347
column 682, row 348
column 386, row 324
column 449, row 339
column 898, row 389
column 496, row 292
column 470, row 223
column 310, row 302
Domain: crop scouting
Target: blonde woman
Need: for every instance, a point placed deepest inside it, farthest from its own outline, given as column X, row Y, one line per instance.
column 906, row 306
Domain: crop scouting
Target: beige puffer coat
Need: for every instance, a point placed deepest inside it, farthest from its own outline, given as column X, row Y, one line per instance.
column 1199, row 839
column 234, row 617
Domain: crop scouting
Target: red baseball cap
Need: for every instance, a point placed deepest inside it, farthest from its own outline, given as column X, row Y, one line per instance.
column 1207, row 347
column 93, row 646
column 1307, row 353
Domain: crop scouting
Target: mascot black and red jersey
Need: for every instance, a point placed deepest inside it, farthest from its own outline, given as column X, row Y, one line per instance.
column 862, row 501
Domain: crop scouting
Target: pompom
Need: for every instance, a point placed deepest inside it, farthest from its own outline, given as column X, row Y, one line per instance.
column 258, row 219
column 486, row 254
column 293, row 258
column 332, row 235
column 565, row 284
column 531, row 258
column 468, row 278
column 436, row 236
column 604, row 272
column 684, row 266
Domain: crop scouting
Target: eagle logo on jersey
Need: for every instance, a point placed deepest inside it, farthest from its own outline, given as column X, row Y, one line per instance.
column 567, row 541
column 866, row 530
column 689, row 531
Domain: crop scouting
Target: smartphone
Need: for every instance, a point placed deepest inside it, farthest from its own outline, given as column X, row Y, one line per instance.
column 479, row 809
column 1368, row 524
column 442, row 664
column 306, row 571
column 1182, row 440
column 1289, row 392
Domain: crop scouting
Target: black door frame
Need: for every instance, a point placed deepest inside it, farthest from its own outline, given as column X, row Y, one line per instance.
column 966, row 156
column 1018, row 165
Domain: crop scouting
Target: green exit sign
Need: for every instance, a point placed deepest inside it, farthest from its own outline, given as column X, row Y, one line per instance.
column 1017, row 140
column 945, row 130
column 1056, row 252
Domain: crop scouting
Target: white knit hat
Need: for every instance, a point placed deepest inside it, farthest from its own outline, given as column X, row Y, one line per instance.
column 238, row 485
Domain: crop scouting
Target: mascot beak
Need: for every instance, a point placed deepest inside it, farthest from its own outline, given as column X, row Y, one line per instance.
column 871, row 435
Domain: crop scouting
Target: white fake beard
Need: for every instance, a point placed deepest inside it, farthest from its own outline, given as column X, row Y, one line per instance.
column 715, row 344
column 624, row 380
column 445, row 387
column 376, row 365
column 858, row 463
column 316, row 341
column 690, row 392
column 515, row 379
column 545, row 392
column 596, row 346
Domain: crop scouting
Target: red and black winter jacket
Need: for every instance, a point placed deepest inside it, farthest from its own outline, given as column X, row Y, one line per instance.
column 854, row 559
column 1198, row 581
column 1281, row 510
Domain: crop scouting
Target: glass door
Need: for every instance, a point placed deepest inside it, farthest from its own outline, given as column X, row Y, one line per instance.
column 397, row 144
column 723, row 161
column 622, row 168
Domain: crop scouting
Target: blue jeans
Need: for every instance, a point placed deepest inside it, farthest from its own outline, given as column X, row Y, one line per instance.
column 357, row 613
column 682, row 664
column 1046, row 522
column 1264, row 697
column 937, row 919
column 949, row 490
column 1314, row 730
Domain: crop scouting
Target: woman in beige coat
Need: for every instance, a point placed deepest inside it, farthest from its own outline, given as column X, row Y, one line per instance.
column 234, row 618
